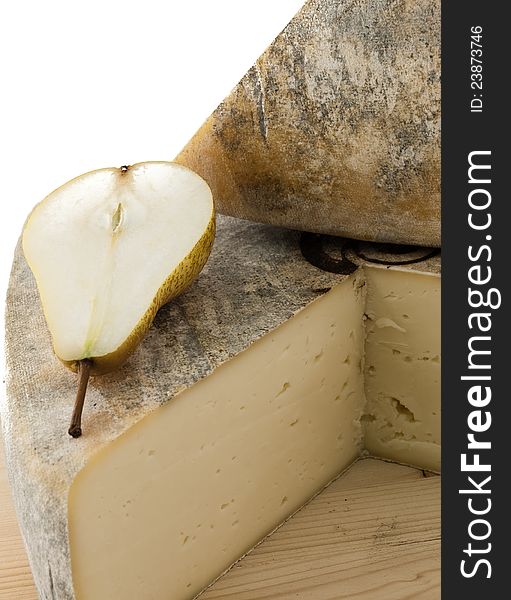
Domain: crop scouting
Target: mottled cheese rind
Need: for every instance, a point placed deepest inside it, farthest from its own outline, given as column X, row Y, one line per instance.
column 336, row 128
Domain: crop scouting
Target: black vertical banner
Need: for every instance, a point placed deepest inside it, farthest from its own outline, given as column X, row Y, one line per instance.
column 476, row 243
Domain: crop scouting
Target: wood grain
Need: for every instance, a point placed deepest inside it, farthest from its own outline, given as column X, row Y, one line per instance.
column 15, row 577
column 374, row 534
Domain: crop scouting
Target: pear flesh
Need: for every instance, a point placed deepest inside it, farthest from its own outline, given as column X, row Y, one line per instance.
column 110, row 247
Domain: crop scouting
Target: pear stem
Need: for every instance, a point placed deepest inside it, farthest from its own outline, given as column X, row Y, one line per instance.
column 75, row 428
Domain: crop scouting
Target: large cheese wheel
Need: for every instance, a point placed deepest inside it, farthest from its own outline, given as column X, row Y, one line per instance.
column 251, row 391
column 336, row 128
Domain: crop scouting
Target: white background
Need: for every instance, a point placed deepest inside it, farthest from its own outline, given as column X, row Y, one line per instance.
column 104, row 83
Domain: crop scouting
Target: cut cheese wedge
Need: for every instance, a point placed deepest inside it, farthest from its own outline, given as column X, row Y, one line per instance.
column 252, row 391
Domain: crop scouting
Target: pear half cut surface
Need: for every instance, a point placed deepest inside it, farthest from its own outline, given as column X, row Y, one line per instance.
column 109, row 248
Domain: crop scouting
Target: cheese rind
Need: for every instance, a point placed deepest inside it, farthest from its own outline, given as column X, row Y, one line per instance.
column 256, row 287
column 336, row 128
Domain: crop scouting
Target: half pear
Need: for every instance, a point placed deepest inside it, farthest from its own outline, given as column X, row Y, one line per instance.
column 108, row 249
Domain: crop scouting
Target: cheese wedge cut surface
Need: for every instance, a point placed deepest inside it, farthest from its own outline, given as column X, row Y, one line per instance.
column 402, row 367
column 225, row 462
column 252, row 391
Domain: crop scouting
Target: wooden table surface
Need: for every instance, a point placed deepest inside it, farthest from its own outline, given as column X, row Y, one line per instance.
column 374, row 534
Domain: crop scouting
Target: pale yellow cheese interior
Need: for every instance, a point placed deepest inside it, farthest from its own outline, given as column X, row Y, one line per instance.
column 402, row 367
column 172, row 503
column 168, row 506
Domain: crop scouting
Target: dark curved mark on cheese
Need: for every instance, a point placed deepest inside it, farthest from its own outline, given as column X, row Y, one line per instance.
column 416, row 254
column 313, row 247
column 313, row 250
